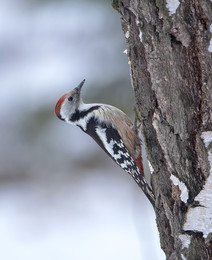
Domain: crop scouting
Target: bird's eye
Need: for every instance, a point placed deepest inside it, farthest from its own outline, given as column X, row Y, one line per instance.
column 70, row 98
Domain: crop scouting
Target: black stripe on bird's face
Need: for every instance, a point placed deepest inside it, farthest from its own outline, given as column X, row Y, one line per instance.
column 81, row 114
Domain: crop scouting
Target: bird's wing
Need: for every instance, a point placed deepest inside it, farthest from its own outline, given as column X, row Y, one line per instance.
column 124, row 125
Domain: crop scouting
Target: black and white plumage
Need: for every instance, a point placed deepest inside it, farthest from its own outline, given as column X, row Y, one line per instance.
column 111, row 129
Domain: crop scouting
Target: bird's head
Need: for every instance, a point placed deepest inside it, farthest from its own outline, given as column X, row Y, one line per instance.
column 69, row 103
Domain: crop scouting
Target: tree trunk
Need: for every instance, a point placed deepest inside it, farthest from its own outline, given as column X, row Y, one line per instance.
column 169, row 52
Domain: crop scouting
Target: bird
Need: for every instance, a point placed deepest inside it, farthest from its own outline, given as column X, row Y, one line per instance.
column 112, row 130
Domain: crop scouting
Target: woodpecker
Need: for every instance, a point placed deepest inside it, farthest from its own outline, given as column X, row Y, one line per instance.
column 112, row 130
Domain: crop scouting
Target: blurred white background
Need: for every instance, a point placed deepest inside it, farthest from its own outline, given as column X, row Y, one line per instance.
column 61, row 197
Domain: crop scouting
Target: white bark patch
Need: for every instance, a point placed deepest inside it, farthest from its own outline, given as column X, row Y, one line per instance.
column 172, row 6
column 182, row 187
column 200, row 218
column 150, row 167
column 127, row 34
column 140, row 32
column 140, row 36
column 207, row 138
column 183, row 257
column 210, row 44
column 185, row 239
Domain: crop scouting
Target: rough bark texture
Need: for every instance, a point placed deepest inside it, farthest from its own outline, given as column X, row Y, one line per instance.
column 171, row 71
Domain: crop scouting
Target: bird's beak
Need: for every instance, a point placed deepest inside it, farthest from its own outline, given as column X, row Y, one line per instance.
column 78, row 94
column 78, row 88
